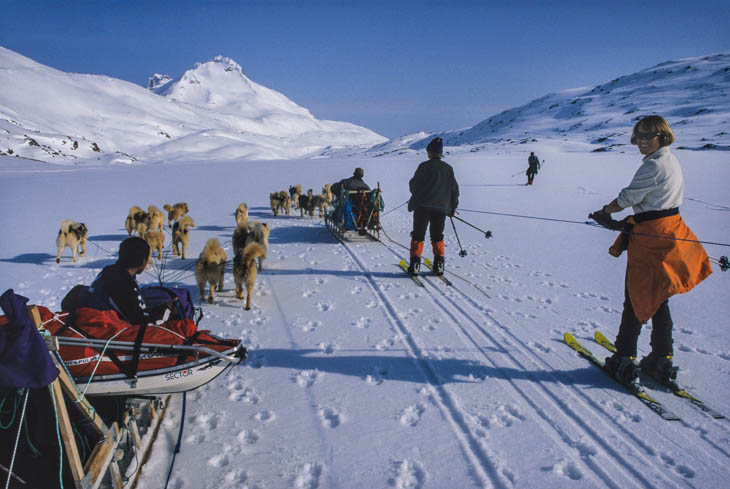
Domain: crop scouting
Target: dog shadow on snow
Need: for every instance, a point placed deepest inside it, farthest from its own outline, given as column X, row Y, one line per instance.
column 378, row 367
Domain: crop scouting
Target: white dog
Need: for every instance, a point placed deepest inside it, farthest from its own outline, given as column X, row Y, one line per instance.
column 72, row 234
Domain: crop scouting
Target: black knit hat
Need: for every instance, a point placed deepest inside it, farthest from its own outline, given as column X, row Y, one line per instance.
column 436, row 146
column 133, row 252
column 359, row 173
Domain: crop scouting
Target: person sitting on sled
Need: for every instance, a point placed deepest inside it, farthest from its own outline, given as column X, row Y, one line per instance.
column 664, row 257
column 355, row 182
column 434, row 195
column 116, row 286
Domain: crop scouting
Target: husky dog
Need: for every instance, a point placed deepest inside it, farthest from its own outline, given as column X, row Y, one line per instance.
column 156, row 240
column 319, row 202
column 305, row 202
column 327, row 195
column 280, row 200
column 157, row 218
column 129, row 220
column 240, row 235
column 244, row 270
column 294, row 192
column 241, row 215
column 141, row 223
column 258, row 232
column 175, row 212
column 181, row 235
column 72, row 234
column 210, row 268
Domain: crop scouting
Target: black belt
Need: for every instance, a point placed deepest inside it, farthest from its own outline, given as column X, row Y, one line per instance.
column 652, row 215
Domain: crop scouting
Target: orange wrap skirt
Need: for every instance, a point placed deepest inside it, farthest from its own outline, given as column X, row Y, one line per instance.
column 660, row 264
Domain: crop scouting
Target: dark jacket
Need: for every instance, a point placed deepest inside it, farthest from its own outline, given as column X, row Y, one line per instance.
column 114, row 288
column 534, row 163
column 434, row 186
column 352, row 183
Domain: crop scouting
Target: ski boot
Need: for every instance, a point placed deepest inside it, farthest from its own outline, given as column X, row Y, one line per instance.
column 660, row 368
column 438, row 265
column 415, row 266
column 623, row 369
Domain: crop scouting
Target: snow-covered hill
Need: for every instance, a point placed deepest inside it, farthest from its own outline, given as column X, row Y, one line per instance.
column 693, row 94
column 50, row 115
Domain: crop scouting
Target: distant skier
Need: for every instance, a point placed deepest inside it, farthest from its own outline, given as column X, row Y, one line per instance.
column 663, row 256
column 534, row 165
column 434, row 195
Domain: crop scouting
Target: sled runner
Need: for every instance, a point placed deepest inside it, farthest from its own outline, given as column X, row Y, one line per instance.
column 356, row 212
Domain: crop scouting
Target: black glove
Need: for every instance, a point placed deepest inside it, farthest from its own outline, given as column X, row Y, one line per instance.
column 452, row 212
column 605, row 220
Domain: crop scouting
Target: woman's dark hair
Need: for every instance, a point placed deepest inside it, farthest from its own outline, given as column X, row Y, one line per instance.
column 657, row 124
column 133, row 252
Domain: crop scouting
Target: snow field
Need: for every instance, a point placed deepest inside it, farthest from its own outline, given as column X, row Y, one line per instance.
column 358, row 378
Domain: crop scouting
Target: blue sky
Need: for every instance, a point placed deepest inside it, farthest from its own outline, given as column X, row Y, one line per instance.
column 394, row 66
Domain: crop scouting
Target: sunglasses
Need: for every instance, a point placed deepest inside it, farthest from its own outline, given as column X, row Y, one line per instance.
column 646, row 136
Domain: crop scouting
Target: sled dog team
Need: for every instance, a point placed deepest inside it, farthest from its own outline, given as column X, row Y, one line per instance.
column 305, row 203
column 250, row 244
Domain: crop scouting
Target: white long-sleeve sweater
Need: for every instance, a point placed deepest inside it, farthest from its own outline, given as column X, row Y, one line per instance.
column 657, row 185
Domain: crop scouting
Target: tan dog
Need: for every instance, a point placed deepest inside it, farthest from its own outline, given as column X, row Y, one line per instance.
column 157, row 218
column 72, row 234
column 156, row 240
column 280, row 200
column 244, row 270
column 294, row 192
column 258, row 232
column 181, row 235
column 129, row 221
column 241, row 215
column 210, row 268
column 175, row 212
column 327, row 197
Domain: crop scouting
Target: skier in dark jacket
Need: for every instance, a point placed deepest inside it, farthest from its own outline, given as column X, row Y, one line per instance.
column 434, row 195
column 116, row 287
column 534, row 163
column 355, row 182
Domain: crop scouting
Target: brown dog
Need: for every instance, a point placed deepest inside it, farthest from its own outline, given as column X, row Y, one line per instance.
column 210, row 268
column 157, row 218
column 72, row 234
column 258, row 232
column 156, row 240
column 244, row 270
column 181, row 235
column 280, row 200
column 241, row 215
column 175, row 212
column 294, row 192
column 129, row 220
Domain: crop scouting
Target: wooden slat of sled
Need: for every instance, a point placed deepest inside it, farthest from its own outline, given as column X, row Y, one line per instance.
column 91, row 475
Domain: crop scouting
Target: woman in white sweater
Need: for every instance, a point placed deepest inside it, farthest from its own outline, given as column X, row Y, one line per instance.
column 664, row 257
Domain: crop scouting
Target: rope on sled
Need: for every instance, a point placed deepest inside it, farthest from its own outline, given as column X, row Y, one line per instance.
column 17, row 437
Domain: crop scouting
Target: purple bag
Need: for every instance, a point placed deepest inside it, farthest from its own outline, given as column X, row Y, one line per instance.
column 154, row 296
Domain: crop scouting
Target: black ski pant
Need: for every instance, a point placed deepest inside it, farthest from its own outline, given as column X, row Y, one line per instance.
column 435, row 220
column 630, row 329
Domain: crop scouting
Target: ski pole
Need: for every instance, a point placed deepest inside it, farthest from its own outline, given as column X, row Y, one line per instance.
column 462, row 251
column 487, row 234
column 517, row 173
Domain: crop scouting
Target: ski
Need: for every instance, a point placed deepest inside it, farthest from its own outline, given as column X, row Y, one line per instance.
column 429, row 265
column 404, row 266
column 639, row 393
column 676, row 390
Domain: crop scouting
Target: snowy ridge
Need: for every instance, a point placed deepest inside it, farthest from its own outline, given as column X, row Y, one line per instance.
column 693, row 94
column 50, row 115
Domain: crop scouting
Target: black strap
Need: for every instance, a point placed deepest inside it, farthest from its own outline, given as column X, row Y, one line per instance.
column 653, row 215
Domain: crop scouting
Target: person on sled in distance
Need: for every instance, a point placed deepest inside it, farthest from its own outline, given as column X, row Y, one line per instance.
column 434, row 195
column 663, row 256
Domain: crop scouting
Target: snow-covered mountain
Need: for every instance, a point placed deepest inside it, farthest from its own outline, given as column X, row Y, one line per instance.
column 212, row 112
column 692, row 94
